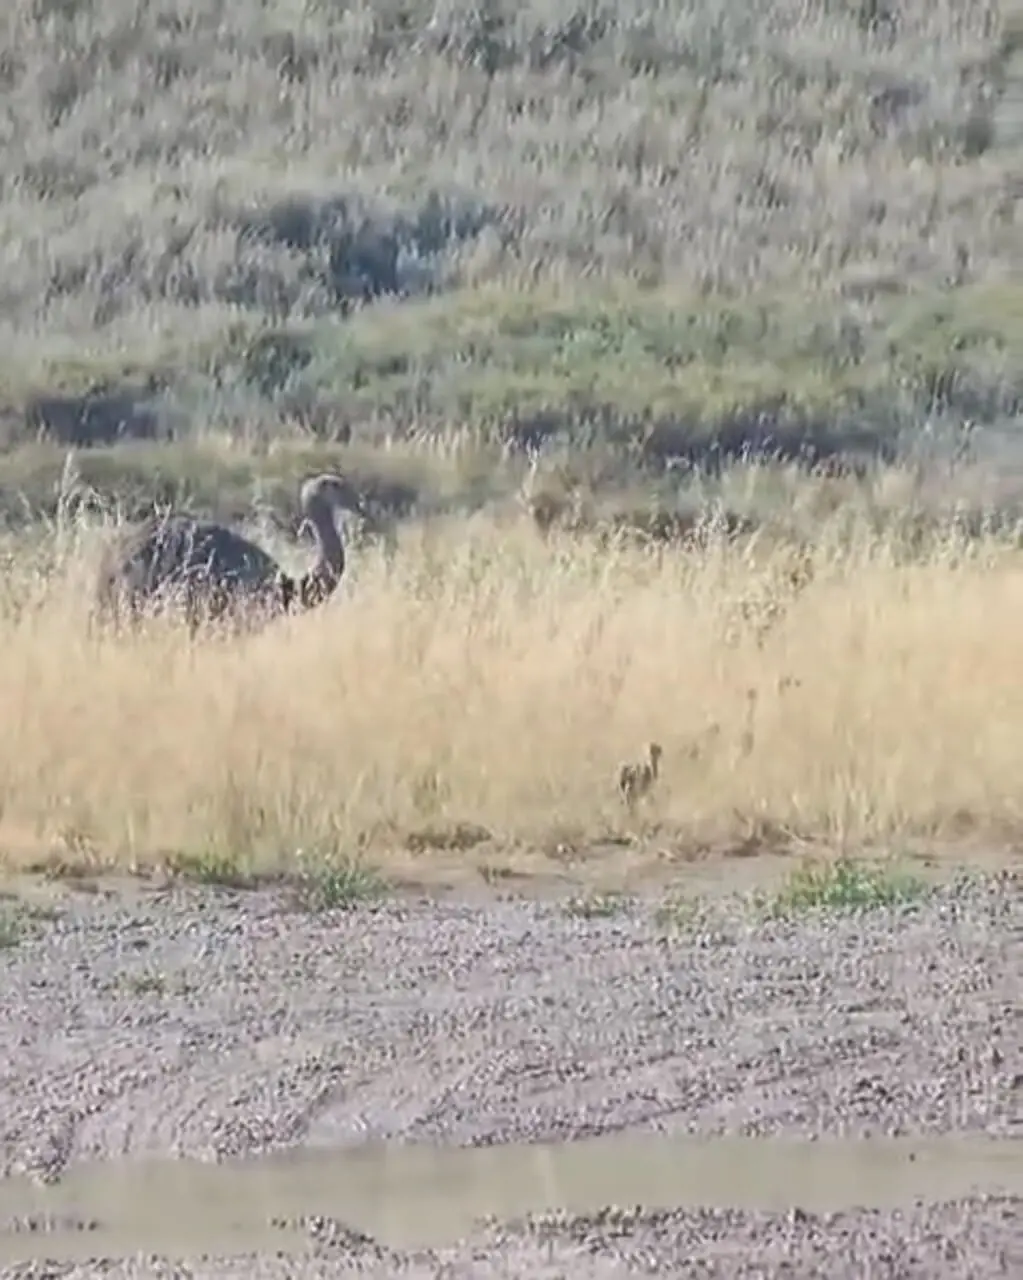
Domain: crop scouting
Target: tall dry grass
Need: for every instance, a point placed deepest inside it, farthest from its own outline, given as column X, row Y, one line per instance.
column 484, row 676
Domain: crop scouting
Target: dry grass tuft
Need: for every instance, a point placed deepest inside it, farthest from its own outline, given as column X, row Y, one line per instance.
column 484, row 676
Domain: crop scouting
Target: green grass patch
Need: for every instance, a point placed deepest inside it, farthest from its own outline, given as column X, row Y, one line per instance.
column 839, row 885
column 338, row 885
column 655, row 354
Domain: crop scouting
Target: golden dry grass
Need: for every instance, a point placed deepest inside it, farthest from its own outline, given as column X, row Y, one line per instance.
column 486, row 676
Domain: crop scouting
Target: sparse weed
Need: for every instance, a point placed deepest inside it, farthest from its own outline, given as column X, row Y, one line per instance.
column 146, row 984
column 18, row 921
column 40, row 913
column 494, row 874
column 681, row 913
column 338, row 885
column 225, row 871
column 75, row 865
column 11, row 930
column 596, row 906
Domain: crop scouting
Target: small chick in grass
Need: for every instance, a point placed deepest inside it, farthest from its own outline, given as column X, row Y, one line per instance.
column 636, row 779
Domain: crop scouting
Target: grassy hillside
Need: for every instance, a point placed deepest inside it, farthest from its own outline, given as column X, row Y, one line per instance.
column 271, row 231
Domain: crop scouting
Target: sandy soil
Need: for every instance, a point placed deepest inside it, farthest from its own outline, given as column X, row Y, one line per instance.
column 217, row 1026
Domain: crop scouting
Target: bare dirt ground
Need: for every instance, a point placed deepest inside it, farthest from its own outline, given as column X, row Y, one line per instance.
column 276, row 1048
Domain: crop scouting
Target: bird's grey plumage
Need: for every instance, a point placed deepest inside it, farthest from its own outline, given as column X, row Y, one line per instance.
column 209, row 571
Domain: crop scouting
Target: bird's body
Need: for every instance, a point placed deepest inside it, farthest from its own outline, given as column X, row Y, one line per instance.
column 182, row 562
column 635, row 779
column 208, row 572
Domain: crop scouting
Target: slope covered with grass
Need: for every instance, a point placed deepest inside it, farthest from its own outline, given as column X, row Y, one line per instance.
column 654, row 226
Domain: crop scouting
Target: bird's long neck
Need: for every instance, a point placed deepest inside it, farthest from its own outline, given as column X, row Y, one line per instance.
column 325, row 575
column 332, row 552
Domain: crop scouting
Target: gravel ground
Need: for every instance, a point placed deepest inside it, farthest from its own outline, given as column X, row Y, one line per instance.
column 216, row 1024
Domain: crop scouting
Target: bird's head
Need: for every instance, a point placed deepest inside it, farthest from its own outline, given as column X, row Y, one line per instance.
column 329, row 490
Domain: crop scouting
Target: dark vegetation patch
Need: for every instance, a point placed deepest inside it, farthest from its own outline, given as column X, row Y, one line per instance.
column 352, row 253
column 95, row 417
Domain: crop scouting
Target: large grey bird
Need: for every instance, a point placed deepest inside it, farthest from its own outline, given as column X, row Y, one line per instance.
column 210, row 573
